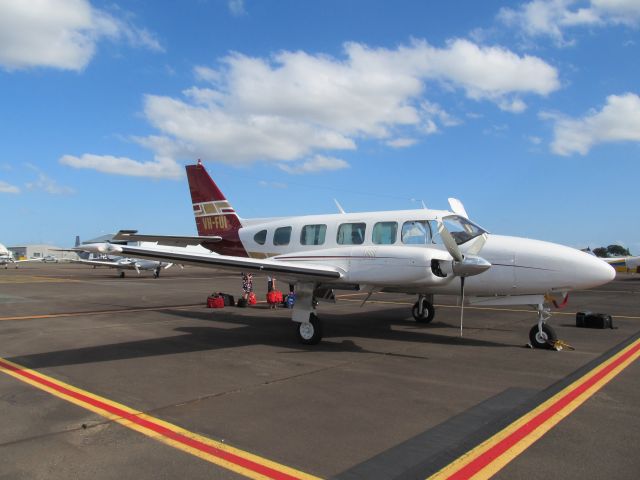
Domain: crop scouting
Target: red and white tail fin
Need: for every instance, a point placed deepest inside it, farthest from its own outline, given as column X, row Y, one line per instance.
column 213, row 213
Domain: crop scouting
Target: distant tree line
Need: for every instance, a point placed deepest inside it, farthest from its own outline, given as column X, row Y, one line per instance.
column 611, row 251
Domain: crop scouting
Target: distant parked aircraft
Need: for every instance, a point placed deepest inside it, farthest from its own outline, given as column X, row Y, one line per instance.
column 624, row 264
column 6, row 258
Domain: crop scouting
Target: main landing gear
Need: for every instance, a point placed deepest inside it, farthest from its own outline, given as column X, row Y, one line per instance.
column 156, row 272
column 309, row 326
column 542, row 335
column 423, row 310
column 310, row 333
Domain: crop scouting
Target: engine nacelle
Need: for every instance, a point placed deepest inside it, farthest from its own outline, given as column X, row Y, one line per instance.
column 383, row 265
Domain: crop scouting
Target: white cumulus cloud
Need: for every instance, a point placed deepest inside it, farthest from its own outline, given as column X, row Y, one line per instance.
column 552, row 18
column 295, row 104
column 159, row 168
column 617, row 121
column 8, row 188
column 319, row 163
column 60, row 33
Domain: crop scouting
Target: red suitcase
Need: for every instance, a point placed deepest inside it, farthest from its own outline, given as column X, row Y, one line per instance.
column 274, row 297
column 252, row 299
column 215, row 302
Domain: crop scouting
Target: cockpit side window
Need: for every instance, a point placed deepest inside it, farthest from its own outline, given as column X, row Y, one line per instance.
column 461, row 229
column 416, row 232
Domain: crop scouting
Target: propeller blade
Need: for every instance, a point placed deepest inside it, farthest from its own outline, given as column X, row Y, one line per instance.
column 168, row 265
column 449, row 242
column 457, row 207
column 137, row 267
column 461, row 303
column 477, row 244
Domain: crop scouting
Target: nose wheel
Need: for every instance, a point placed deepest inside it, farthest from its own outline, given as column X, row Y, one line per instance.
column 310, row 333
column 544, row 338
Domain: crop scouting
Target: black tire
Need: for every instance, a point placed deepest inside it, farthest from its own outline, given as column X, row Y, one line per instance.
column 121, row 274
column 546, row 340
column 310, row 333
column 427, row 315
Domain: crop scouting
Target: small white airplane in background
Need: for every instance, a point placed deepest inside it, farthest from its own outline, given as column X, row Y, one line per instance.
column 119, row 263
column 422, row 252
column 6, row 258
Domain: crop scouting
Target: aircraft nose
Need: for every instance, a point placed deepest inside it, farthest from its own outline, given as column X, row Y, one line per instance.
column 594, row 271
column 603, row 272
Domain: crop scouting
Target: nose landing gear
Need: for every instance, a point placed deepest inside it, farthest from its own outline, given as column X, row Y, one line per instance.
column 542, row 335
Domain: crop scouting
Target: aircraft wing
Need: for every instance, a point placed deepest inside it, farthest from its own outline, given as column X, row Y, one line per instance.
column 101, row 263
column 293, row 270
column 170, row 240
column 28, row 260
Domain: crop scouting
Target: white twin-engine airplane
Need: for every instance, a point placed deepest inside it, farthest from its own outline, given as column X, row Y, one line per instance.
column 120, row 263
column 422, row 252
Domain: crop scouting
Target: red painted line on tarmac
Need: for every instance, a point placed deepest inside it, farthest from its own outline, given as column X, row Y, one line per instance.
column 505, row 444
column 150, row 425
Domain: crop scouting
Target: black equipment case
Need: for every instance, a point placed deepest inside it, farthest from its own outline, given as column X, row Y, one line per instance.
column 593, row 320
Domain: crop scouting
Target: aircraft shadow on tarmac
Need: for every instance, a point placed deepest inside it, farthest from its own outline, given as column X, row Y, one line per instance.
column 260, row 330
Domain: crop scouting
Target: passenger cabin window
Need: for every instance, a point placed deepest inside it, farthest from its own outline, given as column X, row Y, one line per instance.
column 351, row 233
column 313, row 234
column 260, row 237
column 416, row 232
column 282, row 236
column 384, row 233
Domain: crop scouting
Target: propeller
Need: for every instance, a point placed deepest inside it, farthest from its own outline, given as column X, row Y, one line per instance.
column 463, row 265
column 136, row 265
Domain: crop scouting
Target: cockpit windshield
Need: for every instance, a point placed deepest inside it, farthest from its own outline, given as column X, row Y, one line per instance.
column 461, row 229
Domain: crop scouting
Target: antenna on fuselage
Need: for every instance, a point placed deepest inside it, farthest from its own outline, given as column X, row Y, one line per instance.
column 340, row 209
column 423, row 205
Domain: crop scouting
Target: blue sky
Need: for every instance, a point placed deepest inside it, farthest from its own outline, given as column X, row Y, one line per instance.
column 528, row 112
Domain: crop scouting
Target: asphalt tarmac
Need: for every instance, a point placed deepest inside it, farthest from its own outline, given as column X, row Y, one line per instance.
column 103, row 378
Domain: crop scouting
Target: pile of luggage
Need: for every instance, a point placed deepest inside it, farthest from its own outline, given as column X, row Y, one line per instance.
column 274, row 298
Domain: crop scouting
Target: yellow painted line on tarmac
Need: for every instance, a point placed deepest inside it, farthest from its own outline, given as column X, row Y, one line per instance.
column 469, row 307
column 491, row 456
column 34, row 279
column 218, row 453
column 98, row 312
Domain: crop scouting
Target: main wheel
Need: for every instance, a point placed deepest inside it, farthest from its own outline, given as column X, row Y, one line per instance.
column 121, row 274
column 427, row 315
column 310, row 333
column 544, row 339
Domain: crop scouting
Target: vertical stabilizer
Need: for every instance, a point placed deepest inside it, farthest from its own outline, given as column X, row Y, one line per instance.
column 213, row 213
